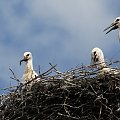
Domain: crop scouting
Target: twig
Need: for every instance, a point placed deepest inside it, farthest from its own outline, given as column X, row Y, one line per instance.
column 14, row 77
column 68, row 116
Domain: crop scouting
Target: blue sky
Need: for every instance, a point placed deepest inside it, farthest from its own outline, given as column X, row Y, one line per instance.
column 62, row 32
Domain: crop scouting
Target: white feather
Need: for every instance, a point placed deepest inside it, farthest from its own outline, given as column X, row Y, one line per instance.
column 29, row 72
column 97, row 59
column 114, row 25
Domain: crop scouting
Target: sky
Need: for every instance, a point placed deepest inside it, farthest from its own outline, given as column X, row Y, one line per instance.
column 62, row 32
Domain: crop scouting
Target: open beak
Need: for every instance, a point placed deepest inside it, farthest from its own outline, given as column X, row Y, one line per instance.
column 113, row 26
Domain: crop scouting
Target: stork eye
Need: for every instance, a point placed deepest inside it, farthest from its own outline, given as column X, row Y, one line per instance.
column 27, row 55
column 94, row 52
column 117, row 20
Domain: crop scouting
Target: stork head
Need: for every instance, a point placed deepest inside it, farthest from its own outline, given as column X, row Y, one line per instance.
column 26, row 57
column 115, row 24
column 97, row 57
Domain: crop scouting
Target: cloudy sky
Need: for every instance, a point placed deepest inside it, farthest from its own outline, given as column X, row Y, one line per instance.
column 62, row 32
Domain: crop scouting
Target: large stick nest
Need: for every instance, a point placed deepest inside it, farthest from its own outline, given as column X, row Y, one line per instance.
column 78, row 94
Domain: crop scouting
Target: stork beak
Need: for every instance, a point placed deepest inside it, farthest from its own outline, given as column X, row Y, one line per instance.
column 22, row 61
column 113, row 26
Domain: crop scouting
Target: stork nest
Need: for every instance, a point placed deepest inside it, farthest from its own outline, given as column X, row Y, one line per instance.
column 78, row 94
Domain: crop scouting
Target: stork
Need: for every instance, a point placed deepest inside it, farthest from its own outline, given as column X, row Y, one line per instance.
column 114, row 25
column 97, row 59
column 29, row 72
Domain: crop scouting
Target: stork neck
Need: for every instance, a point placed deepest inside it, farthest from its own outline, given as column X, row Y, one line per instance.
column 119, row 34
column 29, row 64
column 102, row 63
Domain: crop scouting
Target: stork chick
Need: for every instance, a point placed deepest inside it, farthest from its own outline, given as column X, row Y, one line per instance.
column 29, row 72
column 97, row 59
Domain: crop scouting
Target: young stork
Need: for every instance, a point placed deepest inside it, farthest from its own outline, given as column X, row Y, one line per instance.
column 115, row 25
column 97, row 59
column 29, row 72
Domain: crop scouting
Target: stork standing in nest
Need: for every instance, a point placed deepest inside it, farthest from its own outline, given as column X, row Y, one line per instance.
column 115, row 25
column 29, row 72
column 97, row 59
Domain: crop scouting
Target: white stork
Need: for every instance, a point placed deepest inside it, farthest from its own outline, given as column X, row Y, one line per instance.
column 29, row 72
column 115, row 25
column 97, row 59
